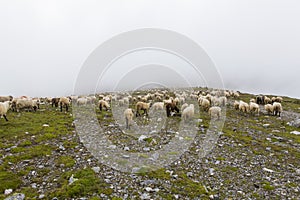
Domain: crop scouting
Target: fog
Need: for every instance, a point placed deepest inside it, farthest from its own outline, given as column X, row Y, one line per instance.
column 254, row 44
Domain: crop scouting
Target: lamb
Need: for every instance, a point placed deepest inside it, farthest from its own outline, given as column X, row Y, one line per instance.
column 103, row 104
column 26, row 103
column 188, row 112
column 128, row 114
column 236, row 105
column 252, row 100
column 158, row 106
column 6, row 98
column 142, row 106
column 244, row 107
column 215, row 112
column 4, row 107
column 269, row 108
column 254, row 107
column 64, row 101
column 277, row 108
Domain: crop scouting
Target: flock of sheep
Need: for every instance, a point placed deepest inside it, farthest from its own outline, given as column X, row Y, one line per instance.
column 177, row 103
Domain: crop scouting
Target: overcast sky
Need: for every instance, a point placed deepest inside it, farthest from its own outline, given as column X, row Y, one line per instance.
column 255, row 44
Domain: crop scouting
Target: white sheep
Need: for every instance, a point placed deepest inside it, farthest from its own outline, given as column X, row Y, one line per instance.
column 184, row 106
column 205, row 104
column 6, row 98
column 158, row 106
column 26, row 103
column 81, row 101
column 188, row 112
column 277, row 108
column 244, row 107
column 128, row 114
column 252, row 100
column 236, row 105
column 103, row 104
column 64, row 101
column 142, row 106
column 4, row 107
column 269, row 108
column 215, row 112
column 267, row 100
column 254, row 108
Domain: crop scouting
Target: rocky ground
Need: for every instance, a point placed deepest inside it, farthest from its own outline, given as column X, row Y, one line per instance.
column 255, row 157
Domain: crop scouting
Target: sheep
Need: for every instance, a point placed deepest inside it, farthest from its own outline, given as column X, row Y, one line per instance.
column 142, row 106
column 184, row 106
column 267, row 100
column 64, row 101
column 81, row 101
column 236, row 105
column 252, row 100
column 6, row 98
column 158, row 106
column 26, row 103
column 223, row 101
column 278, row 99
column 236, row 95
column 4, row 107
column 205, row 104
column 269, row 108
column 171, row 107
column 244, row 107
column 128, row 114
column 254, row 107
column 188, row 112
column 277, row 108
column 103, row 104
column 260, row 99
column 215, row 112
column 54, row 102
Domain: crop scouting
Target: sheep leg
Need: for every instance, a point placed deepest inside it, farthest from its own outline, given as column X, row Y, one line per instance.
column 67, row 108
column 5, row 117
column 127, row 127
column 100, row 107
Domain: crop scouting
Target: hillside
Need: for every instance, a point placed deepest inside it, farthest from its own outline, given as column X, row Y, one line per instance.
column 255, row 157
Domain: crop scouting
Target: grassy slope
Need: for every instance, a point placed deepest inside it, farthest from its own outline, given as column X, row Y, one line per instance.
column 24, row 140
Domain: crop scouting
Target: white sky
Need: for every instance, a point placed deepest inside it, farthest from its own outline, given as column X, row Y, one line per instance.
column 255, row 44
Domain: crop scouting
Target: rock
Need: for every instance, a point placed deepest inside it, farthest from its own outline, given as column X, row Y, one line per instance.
column 17, row 196
column 41, row 196
column 146, row 149
column 8, row 191
column 142, row 138
column 126, row 148
column 298, row 171
column 176, row 196
column 72, row 179
column 148, row 189
column 112, row 146
column 295, row 132
column 96, row 169
column 189, row 174
column 145, row 196
column 266, row 125
column 211, row 171
column 295, row 123
column 45, row 125
column 268, row 170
